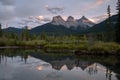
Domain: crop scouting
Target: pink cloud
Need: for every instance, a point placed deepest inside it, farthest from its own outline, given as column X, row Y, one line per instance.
column 95, row 4
column 100, row 18
column 99, row 2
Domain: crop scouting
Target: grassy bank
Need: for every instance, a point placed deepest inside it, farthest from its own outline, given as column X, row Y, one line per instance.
column 65, row 45
column 98, row 47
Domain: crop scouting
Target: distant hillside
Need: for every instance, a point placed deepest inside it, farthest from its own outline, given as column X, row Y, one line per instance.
column 101, row 27
column 51, row 29
column 12, row 30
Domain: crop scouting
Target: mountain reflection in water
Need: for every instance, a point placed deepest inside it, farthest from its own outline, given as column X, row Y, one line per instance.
column 41, row 66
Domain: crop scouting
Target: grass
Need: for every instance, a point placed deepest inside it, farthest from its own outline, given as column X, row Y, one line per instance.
column 13, row 42
column 35, row 42
column 64, row 45
column 74, row 46
column 102, row 47
column 105, row 47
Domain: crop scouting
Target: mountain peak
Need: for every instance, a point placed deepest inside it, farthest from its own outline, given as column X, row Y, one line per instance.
column 70, row 19
column 83, row 21
column 84, row 18
column 57, row 18
column 71, row 22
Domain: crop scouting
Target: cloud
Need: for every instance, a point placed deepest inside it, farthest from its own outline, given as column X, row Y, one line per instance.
column 28, row 22
column 54, row 10
column 95, row 4
column 27, row 10
column 6, row 12
column 7, row 2
column 10, row 9
column 32, row 21
column 43, row 19
column 98, row 3
column 100, row 18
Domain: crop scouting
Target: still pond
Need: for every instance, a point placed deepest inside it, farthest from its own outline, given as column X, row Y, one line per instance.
column 36, row 65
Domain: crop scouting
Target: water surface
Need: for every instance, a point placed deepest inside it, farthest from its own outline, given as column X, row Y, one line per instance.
column 36, row 65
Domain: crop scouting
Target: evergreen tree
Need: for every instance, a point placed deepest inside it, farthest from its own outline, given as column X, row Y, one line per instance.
column 25, row 34
column 109, row 27
column 109, row 13
column 0, row 30
column 118, row 23
column 43, row 36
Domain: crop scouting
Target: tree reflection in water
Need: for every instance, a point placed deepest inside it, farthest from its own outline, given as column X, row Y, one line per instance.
column 4, row 53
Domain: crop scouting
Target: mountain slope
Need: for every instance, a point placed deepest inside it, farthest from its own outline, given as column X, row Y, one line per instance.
column 12, row 30
column 51, row 29
column 101, row 27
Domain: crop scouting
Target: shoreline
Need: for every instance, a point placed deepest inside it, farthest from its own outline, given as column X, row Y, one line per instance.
column 9, row 47
column 63, row 50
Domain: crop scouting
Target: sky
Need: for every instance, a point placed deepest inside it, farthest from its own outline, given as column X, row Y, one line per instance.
column 19, row 13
